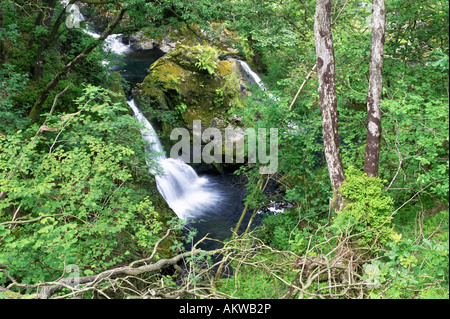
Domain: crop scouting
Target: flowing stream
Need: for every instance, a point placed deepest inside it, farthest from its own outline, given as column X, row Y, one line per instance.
column 253, row 78
column 185, row 192
column 212, row 204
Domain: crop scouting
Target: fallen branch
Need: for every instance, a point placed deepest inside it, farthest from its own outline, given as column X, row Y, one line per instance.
column 79, row 284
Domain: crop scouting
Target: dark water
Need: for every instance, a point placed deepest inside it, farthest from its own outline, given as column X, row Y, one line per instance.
column 135, row 65
column 219, row 221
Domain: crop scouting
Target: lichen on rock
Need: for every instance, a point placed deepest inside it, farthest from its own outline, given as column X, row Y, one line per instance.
column 190, row 35
column 191, row 83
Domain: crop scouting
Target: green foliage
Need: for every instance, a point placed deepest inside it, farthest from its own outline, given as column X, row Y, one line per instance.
column 284, row 231
column 82, row 194
column 268, row 27
column 418, row 128
column 9, row 28
column 11, row 83
column 250, row 282
column 367, row 215
column 179, row 225
column 206, row 58
column 218, row 100
column 442, row 62
column 180, row 109
column 148, row 230
column 72, row 193
column 410, row 269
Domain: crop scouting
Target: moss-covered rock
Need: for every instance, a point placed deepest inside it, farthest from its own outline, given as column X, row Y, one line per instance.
column 191, row 83
column 116, row 87
column 223, row 39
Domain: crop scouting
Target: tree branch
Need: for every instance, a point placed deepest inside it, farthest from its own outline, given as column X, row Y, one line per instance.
column 301, row 86
column 35, row 111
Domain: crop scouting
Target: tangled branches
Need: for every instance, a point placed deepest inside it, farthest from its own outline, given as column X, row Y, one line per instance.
column 219, row 273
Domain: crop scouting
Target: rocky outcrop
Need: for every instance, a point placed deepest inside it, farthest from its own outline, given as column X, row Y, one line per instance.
column 192, row 83
column 187, row 35
column 140, row 42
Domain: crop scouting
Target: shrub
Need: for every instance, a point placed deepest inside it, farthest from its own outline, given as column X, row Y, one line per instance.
column 368, row 212
column 409, row 269
column 206, row 59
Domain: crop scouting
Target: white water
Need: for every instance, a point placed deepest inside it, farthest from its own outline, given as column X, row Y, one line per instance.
column 148, row 133
column 115, row 44
column 112, row 43
column 184, row 191
column 187, row 194
column 255, row 78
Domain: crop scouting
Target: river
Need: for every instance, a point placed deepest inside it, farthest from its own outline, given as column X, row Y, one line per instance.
column 216, row 199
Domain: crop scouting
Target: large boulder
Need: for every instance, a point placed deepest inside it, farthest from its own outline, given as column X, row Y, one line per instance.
column 192, row 83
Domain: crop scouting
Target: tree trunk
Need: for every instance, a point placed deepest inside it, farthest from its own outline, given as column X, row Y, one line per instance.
column 36, row 109
column 2, row 43
column 375, row 90
column 38, row 65
column 327, row 94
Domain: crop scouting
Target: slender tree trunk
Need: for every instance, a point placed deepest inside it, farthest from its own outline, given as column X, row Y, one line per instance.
column 327, row 94
column 375, row 89
column 36, row 109
column 2, row 43
column 51, row 6
column 49, row 41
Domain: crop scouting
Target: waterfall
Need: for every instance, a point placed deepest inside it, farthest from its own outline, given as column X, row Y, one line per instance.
column 184, row 191
column 112, row 42
column 254, row 78
column 216, row 199
column 187, row 194
column 115, row 44
column 148, row 133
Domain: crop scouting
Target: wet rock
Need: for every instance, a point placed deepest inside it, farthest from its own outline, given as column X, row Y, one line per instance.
column 192, row 83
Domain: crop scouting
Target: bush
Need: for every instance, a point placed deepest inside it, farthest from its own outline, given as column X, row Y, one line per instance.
column 410, row 269
column 368, row 212
column 75, row 196
column 286, row 231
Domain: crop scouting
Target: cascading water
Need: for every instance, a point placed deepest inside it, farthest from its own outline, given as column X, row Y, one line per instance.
column 184, row 191
column 112, row 42
column 133, row 68
column 254, row 78
column 217, row 199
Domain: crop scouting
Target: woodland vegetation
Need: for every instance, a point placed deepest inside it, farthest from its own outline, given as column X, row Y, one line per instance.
column 366, row 176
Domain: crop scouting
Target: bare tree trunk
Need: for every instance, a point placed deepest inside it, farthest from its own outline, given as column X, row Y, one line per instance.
column 2, row 43
column 375, row 89
column 327, row 94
